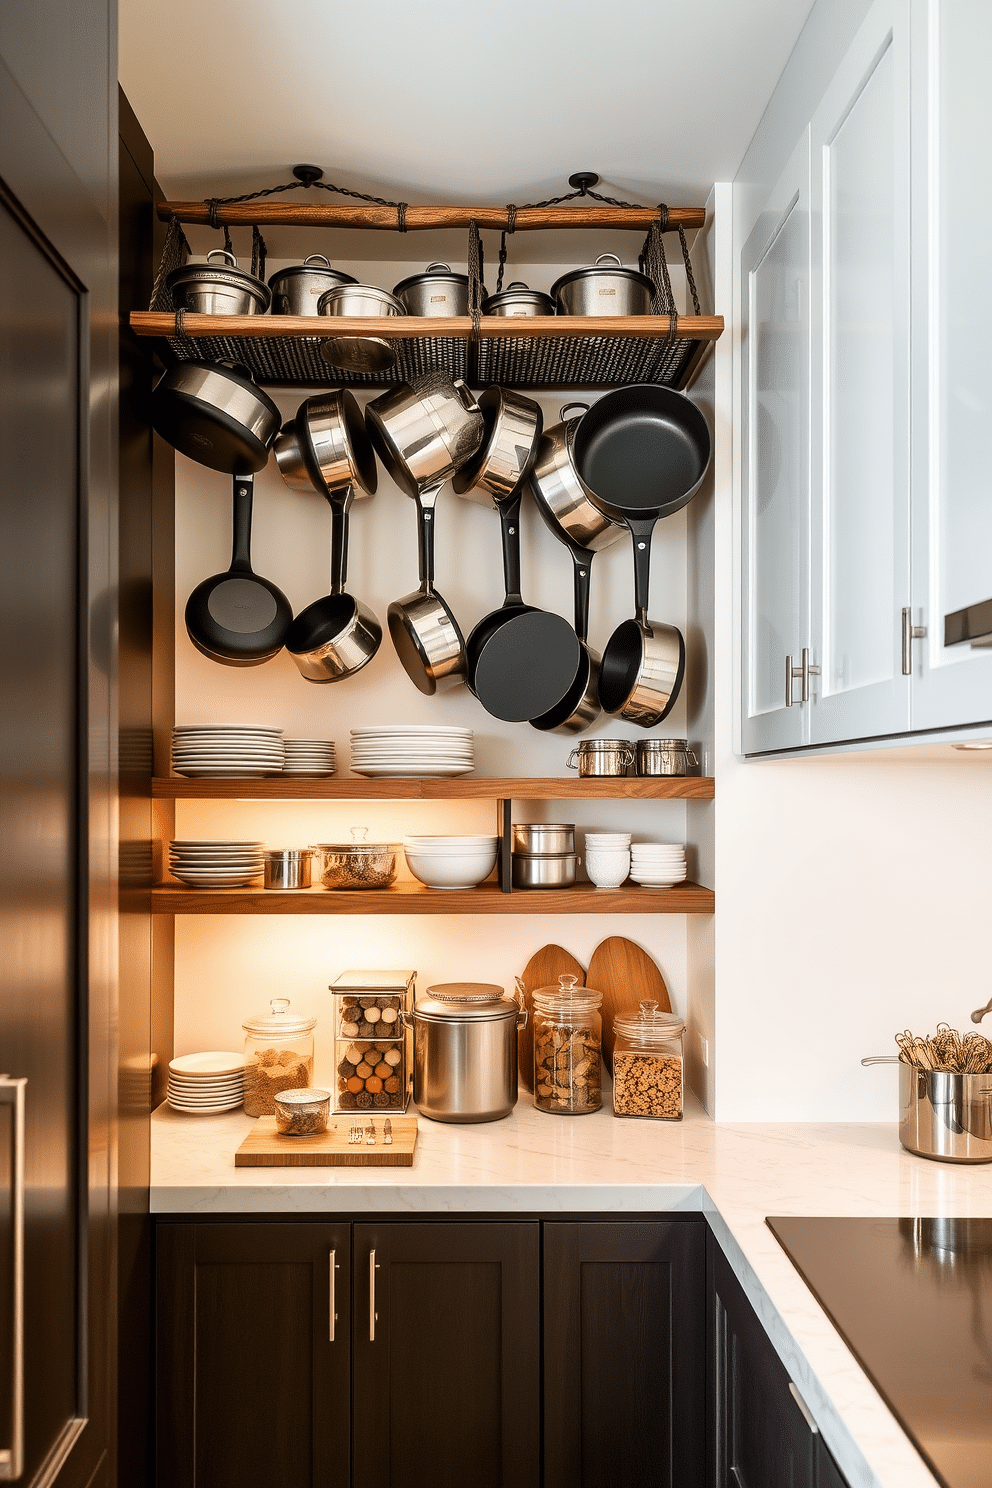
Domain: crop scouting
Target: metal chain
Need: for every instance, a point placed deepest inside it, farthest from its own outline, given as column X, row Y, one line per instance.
column 475, row 270
column 213, row 202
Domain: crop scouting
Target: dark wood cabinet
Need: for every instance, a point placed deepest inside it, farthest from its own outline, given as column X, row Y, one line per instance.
column 447, row 1352
column 253, row 1360
column 828, row 1474
column 759, row 1435
column 624, row 1354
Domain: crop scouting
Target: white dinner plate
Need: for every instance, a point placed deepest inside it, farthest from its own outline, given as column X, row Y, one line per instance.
column 204, row 1110
column 412, row 728
column 208, row 1062
column 398, row 771
column 198, row 772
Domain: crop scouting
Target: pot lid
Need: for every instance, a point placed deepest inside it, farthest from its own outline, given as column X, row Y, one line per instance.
column 435, row 273
column 316, row 263
column 279, row 1020
column 519, row 293
column 603, row 270
column 569, row 991
column 213, row 273
column 649, row 1026
column 466, row 1002
column 359, row 845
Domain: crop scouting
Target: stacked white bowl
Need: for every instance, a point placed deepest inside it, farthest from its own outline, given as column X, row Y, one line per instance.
column 411, row 749
column 205, row 1084
column 216, row 865
column 607, row 858
column 309, row 757
column 226, row 751
column 657, row 865
column 451, row 862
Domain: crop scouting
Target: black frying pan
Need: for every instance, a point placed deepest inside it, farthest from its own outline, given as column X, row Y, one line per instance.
column 236, row 617
column 642, row 451
column 521, row 660
column 215, row 414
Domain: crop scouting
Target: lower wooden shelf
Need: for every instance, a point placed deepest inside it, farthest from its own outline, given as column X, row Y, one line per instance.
column 406, row 898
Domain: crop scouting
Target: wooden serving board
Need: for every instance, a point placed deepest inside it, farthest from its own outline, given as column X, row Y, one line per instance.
column 626, row 976
column 542, row 970
column 263, row 1147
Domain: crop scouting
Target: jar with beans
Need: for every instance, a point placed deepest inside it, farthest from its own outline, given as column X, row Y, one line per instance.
column 648, row 1064
column 373, row 1067
column 568, row 1036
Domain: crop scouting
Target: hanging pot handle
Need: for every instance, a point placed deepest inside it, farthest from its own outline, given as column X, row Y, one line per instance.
column 316, row 258
column 425, row 534
column 465, row 393
column 564, row 412
column 641, row 531
column 509, row 519
column 222, row 253
column 581, row 575
column 882, row 1059
column 340, row 503
column 431, row 267
column 241, row 553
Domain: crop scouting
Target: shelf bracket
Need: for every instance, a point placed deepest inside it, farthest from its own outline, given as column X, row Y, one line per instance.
column 505, row 823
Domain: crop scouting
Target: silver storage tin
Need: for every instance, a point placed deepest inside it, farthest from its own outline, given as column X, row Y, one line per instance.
column 602, row 757
column 297, row 290
column 518, row 299
column 604, row 288
column 288, row 868
column 553, row 871
column 664, row 757
column 218, row 288
column 538, row 838
column 358, row 353
column 465, row 1052
column 437, row 292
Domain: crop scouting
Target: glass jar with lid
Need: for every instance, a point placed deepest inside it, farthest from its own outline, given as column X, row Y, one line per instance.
column 278, row 1055
column 568, row 1038
column 372, row 1044
column 648, row 1064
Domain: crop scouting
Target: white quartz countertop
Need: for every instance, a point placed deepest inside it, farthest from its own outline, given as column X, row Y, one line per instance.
column 533, row 1163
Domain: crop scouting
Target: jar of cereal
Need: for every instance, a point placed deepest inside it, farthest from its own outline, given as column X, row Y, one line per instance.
column 278, row 1056
column 568, row 1036
column 648, row 1064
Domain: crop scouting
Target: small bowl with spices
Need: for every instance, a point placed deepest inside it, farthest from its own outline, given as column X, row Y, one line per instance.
column 648, row 1064
column 302, row 1113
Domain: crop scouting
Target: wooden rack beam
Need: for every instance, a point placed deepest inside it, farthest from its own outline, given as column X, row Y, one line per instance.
column 269, row 213
column 408, row 327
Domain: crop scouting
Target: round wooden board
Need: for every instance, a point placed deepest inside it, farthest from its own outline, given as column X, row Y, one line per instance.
column 542, row 970
column 626, row 975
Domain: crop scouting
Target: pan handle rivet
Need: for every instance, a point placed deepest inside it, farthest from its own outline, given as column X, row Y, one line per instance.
column 642, row 546
column 512, row 531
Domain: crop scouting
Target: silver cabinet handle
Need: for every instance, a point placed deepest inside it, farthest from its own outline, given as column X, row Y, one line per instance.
column 804, row 1410
column 910, row 633
column 790, row 672
column 332, row 1314
column 12, row 1093
column 373, row 1315
column 804, row 672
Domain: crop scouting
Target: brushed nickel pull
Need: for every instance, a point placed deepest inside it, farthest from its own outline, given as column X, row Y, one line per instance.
column 373, row 1315
column 910, row 633
column 790, row 672
column 804, row 1410
column 807, row 671
column 332, row 1314
column 12, row 1093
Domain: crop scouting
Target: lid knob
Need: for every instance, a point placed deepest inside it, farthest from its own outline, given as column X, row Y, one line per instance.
column 567, row 981
column 648, row 1009
column 359, row 834
column 278, row 1006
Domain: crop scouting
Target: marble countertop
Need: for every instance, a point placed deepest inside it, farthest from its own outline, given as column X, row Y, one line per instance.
column 538, row 1164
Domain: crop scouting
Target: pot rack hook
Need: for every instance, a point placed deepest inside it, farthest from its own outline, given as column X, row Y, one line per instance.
column 307, row 174
column 583, row 181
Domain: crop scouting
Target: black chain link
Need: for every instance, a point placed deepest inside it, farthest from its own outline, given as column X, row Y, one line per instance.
column 213, row 202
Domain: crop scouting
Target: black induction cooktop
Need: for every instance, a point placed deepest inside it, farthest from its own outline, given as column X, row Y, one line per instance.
column 913, row 1299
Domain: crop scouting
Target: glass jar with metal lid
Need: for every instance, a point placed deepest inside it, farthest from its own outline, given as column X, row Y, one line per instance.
column 278, row 1055
column 357, row 864
column 602, row 757
column 648, row 1064
column 372, row 1045
column 518, row 299
column 664, row 757
column 465, row 1051
column 568, row 1039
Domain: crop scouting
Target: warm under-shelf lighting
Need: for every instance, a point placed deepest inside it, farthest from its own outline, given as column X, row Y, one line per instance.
column 973, row 744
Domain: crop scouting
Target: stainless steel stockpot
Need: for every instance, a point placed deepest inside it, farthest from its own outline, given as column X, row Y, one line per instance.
column 550, row 871
column 604, row 288
column 943, row 1116
column 436, row 292
column 465, row 1051
column 537, row 838
column 218, row 289
column 425, row 430
column 326, row 447
column 561, row 495
column 664, row 757
column 297, row 290
column 518, row 299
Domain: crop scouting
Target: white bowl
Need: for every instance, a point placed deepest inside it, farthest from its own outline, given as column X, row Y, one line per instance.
column 451, row 871
column 428, row 844
column 607, row 870
column 608, row 839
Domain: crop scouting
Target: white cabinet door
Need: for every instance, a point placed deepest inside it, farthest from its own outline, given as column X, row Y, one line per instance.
column 776, row 459
column 859, row 581
column 952, row 412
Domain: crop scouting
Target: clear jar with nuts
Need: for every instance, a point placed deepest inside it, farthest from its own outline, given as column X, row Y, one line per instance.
column 568, row 1038
column 648, row 1064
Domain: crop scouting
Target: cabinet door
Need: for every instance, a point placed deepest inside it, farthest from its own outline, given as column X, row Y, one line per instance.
column 828, row 1474
column 447, row 1355
column 760, row 1437
column 775, row 272
column 253, row 1360
column 952, row 513
column 624, row 1355
column 859, row 153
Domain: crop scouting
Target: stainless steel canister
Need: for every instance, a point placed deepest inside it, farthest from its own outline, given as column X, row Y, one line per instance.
column 537, row 838
column 550, row 871
column 465, row 1051
column 289, row 868
column 602, row 757
column 664, row 757
column 943, row 1116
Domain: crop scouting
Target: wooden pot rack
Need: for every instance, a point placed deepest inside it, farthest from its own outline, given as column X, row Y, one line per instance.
column 419, row 219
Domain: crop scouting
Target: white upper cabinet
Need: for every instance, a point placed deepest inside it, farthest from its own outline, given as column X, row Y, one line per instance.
column 952, row 402
column 776, row 441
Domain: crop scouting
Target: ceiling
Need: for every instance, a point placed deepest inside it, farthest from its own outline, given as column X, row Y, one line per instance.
column 454, row 101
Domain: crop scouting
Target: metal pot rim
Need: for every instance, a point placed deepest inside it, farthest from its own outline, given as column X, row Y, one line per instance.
column 294, row 271
column 448, row 276
column 602, row 271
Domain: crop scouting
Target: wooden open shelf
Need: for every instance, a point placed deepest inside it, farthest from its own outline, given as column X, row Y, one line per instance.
column 406, row 898
column 462, row 788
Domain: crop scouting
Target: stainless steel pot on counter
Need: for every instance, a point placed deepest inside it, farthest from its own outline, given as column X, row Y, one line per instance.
column 942, row 1115
column 465, row 1051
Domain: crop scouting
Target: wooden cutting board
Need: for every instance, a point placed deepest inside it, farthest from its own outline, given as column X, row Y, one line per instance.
column 626, row 976
column 263, row 1147
column 542, row 970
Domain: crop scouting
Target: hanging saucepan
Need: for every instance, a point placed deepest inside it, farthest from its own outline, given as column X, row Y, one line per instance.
column 297, row 289
column 424, row 431
column 218, row 289
column 236, row 617
column 335, row 636
column 579, row 708
column 561, row 495
column 513, row 426
column 424, row 632
column 214, row 413
column 642, row 452
column 326, row 447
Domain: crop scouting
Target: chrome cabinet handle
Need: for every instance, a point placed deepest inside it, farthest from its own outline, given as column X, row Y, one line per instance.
column 12, row 1093
column 910, row 633
column 807, row 671
column 373, row 1315
column 804, row 1410
column 804, row 672
column 790, row 672
column 332, row 1314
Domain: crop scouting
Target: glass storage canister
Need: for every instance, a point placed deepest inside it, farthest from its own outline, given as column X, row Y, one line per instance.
column 278, row 1056
column 568, row 1038
column 648, row 1064
column 373, row 1050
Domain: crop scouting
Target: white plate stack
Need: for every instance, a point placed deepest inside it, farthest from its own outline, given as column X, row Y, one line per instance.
column 309, row 757
column 216, row 865
column 206, row 1084
column 227, row 751
column 412, row 749
column 657, row 865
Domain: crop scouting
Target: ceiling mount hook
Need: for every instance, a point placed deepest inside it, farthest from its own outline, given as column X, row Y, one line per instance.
column 307, row 174
column 583, row 181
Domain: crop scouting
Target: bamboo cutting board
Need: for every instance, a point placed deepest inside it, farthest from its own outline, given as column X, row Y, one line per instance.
column 263, row 1147
column 542, row 970
column 626, row 976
